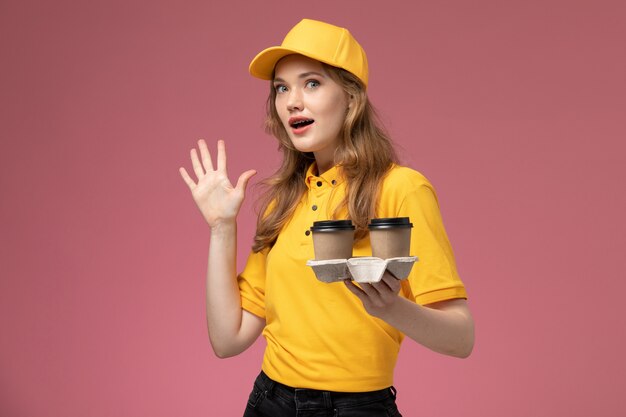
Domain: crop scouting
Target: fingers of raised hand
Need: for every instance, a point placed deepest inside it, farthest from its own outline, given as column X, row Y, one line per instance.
column 197, row 166
column 221, row 156
column 205, row 155
column 200, row 165
column 187, row 178
column 242, row 182
column 203, row 164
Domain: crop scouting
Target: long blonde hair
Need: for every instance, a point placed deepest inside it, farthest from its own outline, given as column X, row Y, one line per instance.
column 365, row 154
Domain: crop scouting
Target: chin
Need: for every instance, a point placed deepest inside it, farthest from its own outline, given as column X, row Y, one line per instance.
column 301, row 146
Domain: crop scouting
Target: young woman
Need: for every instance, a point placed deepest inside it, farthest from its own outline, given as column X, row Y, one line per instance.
column 331, row 348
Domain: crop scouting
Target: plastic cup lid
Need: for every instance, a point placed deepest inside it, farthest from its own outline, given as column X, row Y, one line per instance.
column 390, row 223
column 332, row 226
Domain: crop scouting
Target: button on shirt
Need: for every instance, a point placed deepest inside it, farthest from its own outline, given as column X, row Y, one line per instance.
column 321, row 197
column 319, row 335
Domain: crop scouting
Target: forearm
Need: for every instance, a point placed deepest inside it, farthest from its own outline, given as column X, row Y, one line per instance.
column 231, row 330
column 223, row 302
column 449, row 331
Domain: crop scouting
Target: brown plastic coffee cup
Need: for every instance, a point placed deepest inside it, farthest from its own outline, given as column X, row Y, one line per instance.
column 390, row 237
column 333, row 239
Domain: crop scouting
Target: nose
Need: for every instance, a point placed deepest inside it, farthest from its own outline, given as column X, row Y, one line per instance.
column 294, row 100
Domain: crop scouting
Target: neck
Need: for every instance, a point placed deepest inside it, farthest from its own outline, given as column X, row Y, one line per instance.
column 324, row 161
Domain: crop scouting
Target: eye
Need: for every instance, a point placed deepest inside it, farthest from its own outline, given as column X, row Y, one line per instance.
column 312, row 84
column 280, row 88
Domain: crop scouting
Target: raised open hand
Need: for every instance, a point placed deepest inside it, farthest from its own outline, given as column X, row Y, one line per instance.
column 218, row 201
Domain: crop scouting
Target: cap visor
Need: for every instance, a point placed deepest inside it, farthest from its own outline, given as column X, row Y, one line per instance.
column 262, row 66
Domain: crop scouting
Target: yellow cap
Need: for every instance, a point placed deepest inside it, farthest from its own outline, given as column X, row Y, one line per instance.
column 318, row 40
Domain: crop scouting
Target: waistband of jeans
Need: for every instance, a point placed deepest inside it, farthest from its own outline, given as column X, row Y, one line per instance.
column 288, row 392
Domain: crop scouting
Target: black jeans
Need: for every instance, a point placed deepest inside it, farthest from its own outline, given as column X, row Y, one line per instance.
column 272, row 399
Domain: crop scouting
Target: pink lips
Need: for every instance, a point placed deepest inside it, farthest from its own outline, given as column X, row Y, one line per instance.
column 300, row 129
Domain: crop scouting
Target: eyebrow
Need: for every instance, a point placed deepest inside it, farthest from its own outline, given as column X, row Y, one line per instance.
column 303, row 75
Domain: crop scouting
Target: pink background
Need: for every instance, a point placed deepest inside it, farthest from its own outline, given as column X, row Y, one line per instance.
column 514, row 110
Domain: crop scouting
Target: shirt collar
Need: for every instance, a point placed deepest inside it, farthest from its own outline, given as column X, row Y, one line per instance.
column 330, row 178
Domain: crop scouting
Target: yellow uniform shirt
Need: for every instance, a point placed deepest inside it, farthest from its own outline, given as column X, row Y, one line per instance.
column 319, row 335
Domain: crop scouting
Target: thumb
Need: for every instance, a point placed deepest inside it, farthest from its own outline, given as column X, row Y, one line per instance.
column 242, row 182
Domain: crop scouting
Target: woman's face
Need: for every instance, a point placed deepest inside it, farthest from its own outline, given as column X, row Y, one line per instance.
column 311, row 106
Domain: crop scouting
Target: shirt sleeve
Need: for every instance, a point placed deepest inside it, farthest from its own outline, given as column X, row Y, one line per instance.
column 251, row 283
column 434, row 276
